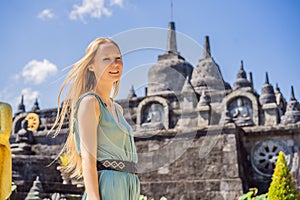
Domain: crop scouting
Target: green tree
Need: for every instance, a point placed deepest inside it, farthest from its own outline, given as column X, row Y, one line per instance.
column 282, row 186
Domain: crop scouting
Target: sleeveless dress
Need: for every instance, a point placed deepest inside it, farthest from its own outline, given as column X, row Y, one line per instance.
column 114, row 141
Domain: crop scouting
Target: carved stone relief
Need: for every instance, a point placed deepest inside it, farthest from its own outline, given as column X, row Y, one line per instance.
column 264, row 155
column 241, row 112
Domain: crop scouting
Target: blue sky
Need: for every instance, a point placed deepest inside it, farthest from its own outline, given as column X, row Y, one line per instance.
column 41, row 38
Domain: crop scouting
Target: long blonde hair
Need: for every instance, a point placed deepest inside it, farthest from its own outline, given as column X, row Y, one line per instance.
column 79, row 81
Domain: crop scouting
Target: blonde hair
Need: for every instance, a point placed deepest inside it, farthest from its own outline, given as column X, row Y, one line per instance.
column 79, row 81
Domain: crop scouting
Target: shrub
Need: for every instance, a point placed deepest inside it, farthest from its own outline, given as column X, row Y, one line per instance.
column 282, row 186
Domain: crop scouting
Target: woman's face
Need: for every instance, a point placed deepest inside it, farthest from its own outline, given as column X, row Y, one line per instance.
column 107, row 64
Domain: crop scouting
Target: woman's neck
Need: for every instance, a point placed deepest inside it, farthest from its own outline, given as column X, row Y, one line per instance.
column 104, row 90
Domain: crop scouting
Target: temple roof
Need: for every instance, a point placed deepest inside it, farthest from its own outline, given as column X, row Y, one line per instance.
column 169, row 67
column 292, row 114
column 207, row 75
column 267, row 93
column 241, row 80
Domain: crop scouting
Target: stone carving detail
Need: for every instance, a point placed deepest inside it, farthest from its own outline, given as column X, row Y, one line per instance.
column 241, row 111
column 25, row 134
column 292, row 114
column 25, row 138
column 264, row 155
column 153, row 116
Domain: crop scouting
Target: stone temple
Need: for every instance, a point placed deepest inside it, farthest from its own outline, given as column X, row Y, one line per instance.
column 197, row 136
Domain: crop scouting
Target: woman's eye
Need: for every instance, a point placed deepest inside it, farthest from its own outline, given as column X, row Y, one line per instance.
column 106, row 59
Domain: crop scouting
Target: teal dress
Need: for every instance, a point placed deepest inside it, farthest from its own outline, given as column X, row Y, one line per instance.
column 114, row 141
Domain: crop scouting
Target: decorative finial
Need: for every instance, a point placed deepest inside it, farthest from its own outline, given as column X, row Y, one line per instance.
column 21, row 106
column 242, row 80
column 171, row 10
column 204, row 99
column 292, row 113
column 267, row 78
column 35, row 106
column 131, row 93
column 242, row 65
column 172, row 44
column 251, row 80
column 292, row 94
column 206, row 47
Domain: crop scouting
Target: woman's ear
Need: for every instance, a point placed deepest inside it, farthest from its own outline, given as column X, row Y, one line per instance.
column 91, row 67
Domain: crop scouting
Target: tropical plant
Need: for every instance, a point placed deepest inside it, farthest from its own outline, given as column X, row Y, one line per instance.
column 251, row 195
column 282, row 186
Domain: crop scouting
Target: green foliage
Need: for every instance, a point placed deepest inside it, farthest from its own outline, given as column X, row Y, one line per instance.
column 142, row 197
column 251, row 195
column 282, row 186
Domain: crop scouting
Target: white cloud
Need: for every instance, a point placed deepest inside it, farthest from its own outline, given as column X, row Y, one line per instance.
column 46, row 14
column 37, row 71
column 116, row 2
column 93, row 8
column 15, row 77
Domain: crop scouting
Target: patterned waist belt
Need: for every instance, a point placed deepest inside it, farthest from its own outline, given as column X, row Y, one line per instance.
column 118, row 165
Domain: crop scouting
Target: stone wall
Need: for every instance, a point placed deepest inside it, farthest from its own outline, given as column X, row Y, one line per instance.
column 208, row 168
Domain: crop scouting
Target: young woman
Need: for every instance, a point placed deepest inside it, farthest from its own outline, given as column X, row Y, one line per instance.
column 100, row 145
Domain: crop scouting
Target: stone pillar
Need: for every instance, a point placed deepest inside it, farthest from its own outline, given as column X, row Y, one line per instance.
column 270, row 112
column 204, row 115
column 204, row 110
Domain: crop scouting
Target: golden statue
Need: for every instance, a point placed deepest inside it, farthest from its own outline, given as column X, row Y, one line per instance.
column 5, row 153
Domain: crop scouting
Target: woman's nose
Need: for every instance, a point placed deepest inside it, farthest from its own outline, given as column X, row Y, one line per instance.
column 115, row 62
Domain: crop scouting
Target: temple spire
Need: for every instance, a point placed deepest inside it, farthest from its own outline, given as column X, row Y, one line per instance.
column 21, row 106
column 267, row 93
column 206, row 52
column 172, row 44
column 35, row 106
column 242, row 65
column 171, row 10
column 242, row 80
column 267, row 78
column 132, row 93
column 292, row 94
column 251, row 80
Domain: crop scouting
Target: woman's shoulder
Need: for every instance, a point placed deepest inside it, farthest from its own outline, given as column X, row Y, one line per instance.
column 119, row 107
column 88, row 100
column 89, row 97
column 87, row 103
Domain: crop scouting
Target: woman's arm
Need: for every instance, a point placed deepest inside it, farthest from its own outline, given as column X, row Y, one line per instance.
column 88, row 116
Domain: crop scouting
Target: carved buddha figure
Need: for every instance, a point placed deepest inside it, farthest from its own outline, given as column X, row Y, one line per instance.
column 241, row 111
column 154, row 117
column 25, row 135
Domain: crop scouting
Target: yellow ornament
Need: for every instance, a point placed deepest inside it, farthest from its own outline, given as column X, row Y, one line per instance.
column 33, row 121
column 5, row 153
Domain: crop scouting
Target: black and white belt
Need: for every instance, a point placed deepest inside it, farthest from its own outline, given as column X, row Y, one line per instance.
column 117, row 165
